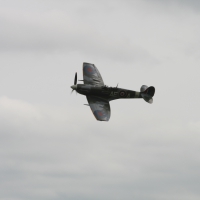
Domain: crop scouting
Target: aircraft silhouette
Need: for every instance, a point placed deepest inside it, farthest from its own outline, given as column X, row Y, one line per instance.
column 99, row 95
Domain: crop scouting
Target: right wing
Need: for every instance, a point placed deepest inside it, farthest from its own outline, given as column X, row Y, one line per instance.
column 91, row 75
column 100, row 107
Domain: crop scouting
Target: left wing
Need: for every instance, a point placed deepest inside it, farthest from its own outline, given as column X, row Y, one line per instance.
column 91, row 75
column 100, row 107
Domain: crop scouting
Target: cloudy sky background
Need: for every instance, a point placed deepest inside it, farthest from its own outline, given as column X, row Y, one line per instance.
column 51, row 145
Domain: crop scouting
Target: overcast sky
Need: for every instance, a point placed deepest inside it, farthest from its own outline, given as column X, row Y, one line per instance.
column 52, row 147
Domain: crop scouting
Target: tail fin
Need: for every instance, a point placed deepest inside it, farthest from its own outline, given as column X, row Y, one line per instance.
column 147, row 93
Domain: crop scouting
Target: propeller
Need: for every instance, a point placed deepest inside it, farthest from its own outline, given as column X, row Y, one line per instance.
column 75, row 82
column 75, row 79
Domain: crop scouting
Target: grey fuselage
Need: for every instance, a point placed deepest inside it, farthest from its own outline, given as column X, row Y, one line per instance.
column 109, row 93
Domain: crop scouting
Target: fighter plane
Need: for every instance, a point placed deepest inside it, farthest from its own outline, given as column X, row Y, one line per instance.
column 99, row 95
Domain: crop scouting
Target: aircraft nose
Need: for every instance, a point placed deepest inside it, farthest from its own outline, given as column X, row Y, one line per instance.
column 74, row 87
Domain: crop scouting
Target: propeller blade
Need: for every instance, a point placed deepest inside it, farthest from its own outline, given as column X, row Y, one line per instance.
column 72, row 91
column 75, row 79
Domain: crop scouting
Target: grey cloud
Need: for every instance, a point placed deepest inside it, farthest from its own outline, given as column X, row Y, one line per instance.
column 83, row 163
column 51, row 145
column 59, row 31
column 193, row 5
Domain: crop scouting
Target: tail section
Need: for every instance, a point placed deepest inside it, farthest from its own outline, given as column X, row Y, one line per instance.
column 147, row 93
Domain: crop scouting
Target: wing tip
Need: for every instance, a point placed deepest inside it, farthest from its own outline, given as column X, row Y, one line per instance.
column 86, row 63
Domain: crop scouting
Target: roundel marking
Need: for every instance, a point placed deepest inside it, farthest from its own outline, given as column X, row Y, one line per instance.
column 100, row 113
column 89, row 70
column 122, row 93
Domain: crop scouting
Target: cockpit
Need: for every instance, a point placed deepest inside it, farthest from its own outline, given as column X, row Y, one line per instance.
column 105, row 87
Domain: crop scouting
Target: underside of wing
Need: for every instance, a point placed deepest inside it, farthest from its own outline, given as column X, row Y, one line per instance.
column 100, row 107
column 91, row 75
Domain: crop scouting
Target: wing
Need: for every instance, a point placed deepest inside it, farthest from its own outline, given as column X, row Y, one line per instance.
column 100, row 107
column 91, row 75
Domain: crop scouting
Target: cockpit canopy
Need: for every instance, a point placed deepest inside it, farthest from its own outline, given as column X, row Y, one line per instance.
column 105, row 87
